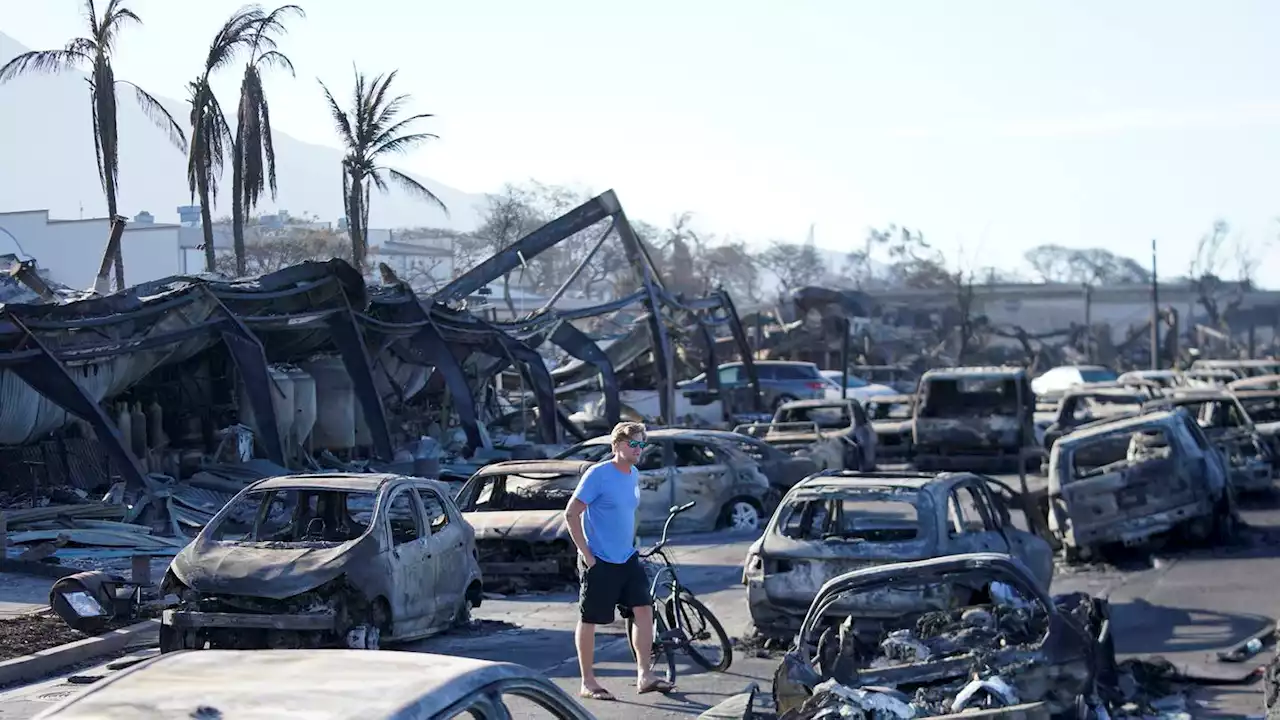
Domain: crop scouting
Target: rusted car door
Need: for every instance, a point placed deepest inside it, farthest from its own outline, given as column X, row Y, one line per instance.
column 656, row 496
column 410, row 563
column 446, row 547
column 703, row 477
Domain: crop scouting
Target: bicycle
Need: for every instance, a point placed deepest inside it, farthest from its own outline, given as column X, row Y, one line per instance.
column 679, row 618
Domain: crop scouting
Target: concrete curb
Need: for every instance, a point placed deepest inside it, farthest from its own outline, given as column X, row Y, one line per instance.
column 46, row 662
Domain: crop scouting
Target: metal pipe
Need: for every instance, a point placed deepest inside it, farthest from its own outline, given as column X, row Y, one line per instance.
column 1155, row 311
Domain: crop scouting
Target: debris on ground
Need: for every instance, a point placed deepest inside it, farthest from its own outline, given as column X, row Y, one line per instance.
column 760, row 646
column 484, row 627
column 40, row 631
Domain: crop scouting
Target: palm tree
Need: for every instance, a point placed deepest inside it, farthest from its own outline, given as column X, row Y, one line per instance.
column 253, row 155
column 95, row 52
column 210, row 133
column 370, row 132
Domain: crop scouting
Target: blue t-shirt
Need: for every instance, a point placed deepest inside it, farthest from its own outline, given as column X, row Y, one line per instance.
column 611, row 497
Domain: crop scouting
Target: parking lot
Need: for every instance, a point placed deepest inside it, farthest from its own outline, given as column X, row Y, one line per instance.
column 1184, row 605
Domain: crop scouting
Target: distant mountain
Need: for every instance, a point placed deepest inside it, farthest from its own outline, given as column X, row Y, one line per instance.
column 47, row 161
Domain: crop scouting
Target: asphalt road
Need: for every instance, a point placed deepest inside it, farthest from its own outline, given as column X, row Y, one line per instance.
column 1183, row 605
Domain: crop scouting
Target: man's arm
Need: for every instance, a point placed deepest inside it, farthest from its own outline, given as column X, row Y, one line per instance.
column 573, row 518
column 588, row 490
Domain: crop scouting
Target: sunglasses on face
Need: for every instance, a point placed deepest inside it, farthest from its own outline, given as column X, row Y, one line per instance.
column 637, row 444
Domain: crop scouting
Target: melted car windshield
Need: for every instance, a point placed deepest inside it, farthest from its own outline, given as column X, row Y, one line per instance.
column 296, row 515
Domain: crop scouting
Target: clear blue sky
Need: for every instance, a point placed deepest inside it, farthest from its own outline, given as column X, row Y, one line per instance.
column 992, row 126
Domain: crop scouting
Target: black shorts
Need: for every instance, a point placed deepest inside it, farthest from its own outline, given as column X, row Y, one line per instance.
column 608, row 585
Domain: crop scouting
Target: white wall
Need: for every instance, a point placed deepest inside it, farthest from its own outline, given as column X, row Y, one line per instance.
column 70, row 251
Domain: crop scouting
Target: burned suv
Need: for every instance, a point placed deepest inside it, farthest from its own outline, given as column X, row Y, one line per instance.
column 1126, row 481
column 836, row 522
column 974, row 418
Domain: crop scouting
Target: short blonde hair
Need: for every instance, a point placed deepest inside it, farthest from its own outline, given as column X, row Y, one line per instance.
column 626, row 431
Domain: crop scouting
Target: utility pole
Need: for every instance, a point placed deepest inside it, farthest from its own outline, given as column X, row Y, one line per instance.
column 1088, row 322
column 1155, row 311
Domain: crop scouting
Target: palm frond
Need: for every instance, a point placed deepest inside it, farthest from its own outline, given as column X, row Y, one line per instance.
column 238, row 32
column 274, row 23
column 42, row 61
column 402, row 144
column 340, row 120
column 276, row 58
column 158, row 115
column 113, row 20
column 413, row 187
column 91, row 13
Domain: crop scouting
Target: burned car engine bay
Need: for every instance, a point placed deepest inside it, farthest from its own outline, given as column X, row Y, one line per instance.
column 1007, row 644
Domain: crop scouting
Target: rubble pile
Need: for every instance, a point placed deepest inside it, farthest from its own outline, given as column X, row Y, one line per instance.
column 74, row 531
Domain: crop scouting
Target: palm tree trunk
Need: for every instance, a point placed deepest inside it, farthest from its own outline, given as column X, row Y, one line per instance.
column 206, row 222
column 237, row 204
column 109, row 188
column 355, row 216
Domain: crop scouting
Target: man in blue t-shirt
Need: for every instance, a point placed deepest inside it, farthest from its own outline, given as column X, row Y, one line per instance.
column 607, row 497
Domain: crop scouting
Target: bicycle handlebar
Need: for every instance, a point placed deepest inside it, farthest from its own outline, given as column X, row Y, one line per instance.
column 672, row 513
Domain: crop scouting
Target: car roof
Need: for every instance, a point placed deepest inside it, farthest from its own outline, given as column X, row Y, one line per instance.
column 975, row 371
column 368, row 482
column 1131, row 424
column 816, row 403
column 865, row 480
column 294, row 683
column 513, row 467
column 658, row 433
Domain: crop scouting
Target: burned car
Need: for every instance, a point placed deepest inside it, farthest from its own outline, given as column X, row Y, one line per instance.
column 1007, row 643
column 1230, row 429
column 1259, row 382
column 517, row 511
column 1263, row 409
column 682, row 465
column 836, row 522
column 319, row 685
column 891, row 420
column 1126, row 481
column 319, row 560
column 1081, row 406
column 972, row 418
column 783, row 469
column 836, row 433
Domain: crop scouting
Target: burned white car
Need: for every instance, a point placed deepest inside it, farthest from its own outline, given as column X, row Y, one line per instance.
column 1126, row 481
column 1005, row 648
column 836, row 522
column 682, row 465
column 835, row 434
column 319, row 560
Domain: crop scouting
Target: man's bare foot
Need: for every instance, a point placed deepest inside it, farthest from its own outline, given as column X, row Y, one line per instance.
column 649, row 683
column 595, row 693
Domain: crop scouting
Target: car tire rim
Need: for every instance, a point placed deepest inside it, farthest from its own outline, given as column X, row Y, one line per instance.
column 743, row 516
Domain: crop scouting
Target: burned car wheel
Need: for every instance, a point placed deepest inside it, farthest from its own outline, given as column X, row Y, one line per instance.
column 740, row 514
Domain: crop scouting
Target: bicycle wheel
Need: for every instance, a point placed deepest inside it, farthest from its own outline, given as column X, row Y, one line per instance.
column 703, row 632
column 663, row 648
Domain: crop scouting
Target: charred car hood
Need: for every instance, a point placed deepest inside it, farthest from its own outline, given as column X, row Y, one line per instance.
column 527, row 525
column 274, row 571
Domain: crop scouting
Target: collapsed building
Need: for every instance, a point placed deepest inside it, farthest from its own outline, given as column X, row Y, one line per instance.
column 179, row 392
